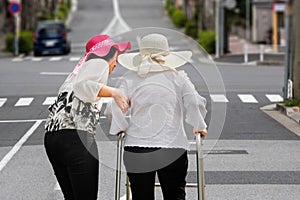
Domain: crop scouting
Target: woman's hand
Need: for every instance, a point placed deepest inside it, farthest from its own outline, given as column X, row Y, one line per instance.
column 202, row 132
column 121, row 100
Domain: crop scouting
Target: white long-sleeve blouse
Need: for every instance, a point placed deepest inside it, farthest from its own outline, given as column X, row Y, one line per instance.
column 77, row 105
column 158, row 103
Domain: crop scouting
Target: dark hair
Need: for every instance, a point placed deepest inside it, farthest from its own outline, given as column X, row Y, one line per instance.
column 107, row 57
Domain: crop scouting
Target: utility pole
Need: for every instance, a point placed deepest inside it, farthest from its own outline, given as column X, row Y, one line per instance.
column 288, row 71
column 296, row 63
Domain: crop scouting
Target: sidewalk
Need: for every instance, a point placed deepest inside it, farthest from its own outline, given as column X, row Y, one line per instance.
column 238, row 46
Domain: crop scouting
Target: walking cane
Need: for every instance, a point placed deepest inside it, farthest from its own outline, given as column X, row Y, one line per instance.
column 200, row 169
column 120, row 145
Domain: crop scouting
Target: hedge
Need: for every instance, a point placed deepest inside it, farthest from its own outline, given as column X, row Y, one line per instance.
column 191, row 29
column 25, row 42
column 207, row 40
column 179, row 18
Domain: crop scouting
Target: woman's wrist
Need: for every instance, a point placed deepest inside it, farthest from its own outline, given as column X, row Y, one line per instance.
column 106, row 91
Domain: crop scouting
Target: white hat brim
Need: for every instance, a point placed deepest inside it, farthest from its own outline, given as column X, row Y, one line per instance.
column 132, row 61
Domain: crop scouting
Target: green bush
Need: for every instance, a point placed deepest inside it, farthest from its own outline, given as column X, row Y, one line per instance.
column 179, row 18
column 191, row 29
column 292, row 102
column 170, row 7
column 46, row 16
column 25, row 42
column 207, row 40
column 63, row 12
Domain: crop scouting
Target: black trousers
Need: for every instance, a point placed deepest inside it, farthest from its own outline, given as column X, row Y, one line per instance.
column 74, row 157
column 170, row 165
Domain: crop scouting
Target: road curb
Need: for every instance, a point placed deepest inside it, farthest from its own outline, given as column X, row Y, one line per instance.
column 288, row 111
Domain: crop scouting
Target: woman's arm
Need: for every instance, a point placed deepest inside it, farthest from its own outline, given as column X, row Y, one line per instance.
column 119, row 98
column 194, row 104
column 90, row 84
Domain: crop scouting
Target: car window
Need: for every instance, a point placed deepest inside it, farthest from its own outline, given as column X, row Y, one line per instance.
column 50, row 30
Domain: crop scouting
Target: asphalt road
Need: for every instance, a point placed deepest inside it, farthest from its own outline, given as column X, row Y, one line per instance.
column 248, row 155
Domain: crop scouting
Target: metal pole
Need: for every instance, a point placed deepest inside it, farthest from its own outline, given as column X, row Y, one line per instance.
column 119, row 162
column 200, row 169
column 221, row 29
column 16, row 38
column 217, row 28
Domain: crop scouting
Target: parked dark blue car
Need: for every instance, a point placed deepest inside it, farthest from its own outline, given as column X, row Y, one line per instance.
column 50, row 37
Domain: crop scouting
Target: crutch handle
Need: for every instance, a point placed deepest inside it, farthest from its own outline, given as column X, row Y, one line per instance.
column 200, row 168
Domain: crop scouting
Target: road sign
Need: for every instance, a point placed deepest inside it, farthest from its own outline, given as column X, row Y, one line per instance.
column 14, row 7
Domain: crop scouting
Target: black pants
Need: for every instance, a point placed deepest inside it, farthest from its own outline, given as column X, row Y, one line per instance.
column 170, row 165
column 74, row 157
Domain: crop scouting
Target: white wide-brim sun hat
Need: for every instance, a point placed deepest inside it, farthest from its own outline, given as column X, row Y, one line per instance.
column 154, row 56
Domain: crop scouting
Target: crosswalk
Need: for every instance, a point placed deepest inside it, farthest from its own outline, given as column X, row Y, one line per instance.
column 215, row 98
column 49, row 59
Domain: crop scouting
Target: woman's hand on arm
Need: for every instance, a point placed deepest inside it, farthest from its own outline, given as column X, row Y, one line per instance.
column 117, row 95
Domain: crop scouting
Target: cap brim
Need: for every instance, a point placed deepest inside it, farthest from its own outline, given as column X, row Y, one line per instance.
column 103, row 51
column 123, row 46
column 131, row 61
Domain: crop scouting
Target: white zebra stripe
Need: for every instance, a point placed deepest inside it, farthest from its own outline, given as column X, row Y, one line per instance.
column 74, row 59
column 49, row 100
column 219, row 98
column 17, row 59
column 274, row 97
column 2, row 101
column 24, row 101
column 36, row 59
column 55, row 59
column 247, row 98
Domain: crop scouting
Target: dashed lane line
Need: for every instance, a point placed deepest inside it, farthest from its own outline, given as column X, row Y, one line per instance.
column 247, row 98
column 49, row 100
column 24, row 101
column 216, row 98
column 274, row 98
column 55, row 59
column 219, row 98
column 55, row 73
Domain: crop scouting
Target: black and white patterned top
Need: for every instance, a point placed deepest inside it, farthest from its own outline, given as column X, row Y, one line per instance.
column 77, row 105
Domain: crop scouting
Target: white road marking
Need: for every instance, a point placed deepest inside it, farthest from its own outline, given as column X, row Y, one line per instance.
column 17, row 59
column 123, row 27
column 2, row 101
column 24, row 101
column 18, row 145
column 247, row 98
column 21, row 120
column 274, row 97
column 219, row 98
column 74, row 59
column 36, row 59
column 55, row 73
column 55, row 59
column 49, row 100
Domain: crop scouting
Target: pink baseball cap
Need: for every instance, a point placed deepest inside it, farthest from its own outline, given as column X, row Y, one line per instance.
column 100, row 45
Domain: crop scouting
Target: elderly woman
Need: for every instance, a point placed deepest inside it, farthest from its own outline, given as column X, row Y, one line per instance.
column 71, row 124
column 156, row 142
